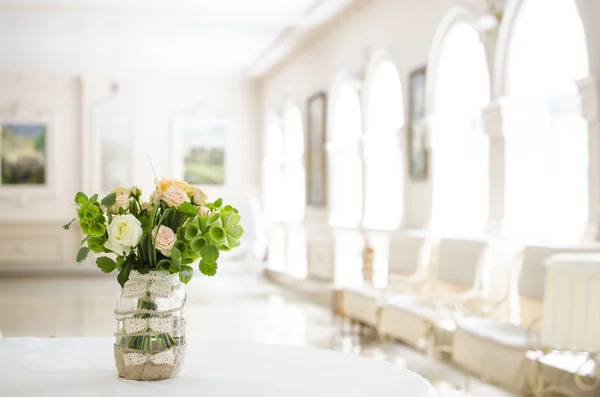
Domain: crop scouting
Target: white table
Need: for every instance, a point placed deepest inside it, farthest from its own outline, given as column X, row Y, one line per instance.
column 79, row 367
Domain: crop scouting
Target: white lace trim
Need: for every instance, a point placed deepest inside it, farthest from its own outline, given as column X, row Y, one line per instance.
column 166, row 357
column 160, row 325
column 157, row 283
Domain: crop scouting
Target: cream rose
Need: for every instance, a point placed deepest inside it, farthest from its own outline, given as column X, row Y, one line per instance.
column 164, row 239
column 174, row 196
column 198, row 196
column 203, row 211
column 124, row 232
column 147, row 206
column 155, row 196
column 122, row 199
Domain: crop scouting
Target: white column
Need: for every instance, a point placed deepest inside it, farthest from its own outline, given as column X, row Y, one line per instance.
column 590, row 112
column 493, row 126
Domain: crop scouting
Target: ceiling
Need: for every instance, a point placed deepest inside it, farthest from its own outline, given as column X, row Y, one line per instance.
column 116, row 36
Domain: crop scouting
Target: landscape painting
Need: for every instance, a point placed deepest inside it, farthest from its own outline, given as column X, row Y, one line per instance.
column 23, row 148
column 204, row 155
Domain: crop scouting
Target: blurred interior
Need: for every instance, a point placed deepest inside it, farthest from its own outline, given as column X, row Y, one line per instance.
column 407, row 172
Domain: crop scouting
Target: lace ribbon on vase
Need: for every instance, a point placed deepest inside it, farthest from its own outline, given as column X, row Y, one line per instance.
column 158, row 284
column 165, row 357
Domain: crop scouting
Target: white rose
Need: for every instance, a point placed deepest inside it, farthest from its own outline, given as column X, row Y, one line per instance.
column 203, row 211
column 198, row 196
column 164, row 239
column 124, row 232
column 174, row 196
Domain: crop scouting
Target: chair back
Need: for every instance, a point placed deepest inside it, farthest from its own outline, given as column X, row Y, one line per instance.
column 457, row 263
column 406, row 252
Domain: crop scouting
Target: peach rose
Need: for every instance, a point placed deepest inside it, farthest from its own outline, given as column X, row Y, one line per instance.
column 122, row 200
column 198, row 196
column 163, row 184
column 174, row 196
column 155, row 196
column 164, row 239
column 147, row 206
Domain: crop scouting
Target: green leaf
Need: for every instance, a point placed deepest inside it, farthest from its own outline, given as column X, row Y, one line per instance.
column 97, row 230
column 164, row 264
column 120, row 262
column 175, row 254
column 187, row 209
column 109, row 200
column 236, row 231
column 228, row 208
column 191, row 231
column 223, row 248
column 217, row 234
column 82, row 254
column 81, row 198
column 124, row 274
column 187, row 260
column 207, row 268
column 68, row 225
column 182, row 247
column 106, row 264
column 235, row 210
column 209, row 253
column 218, row 203
column 214, row 219
column 94, row 198
column 185, row 274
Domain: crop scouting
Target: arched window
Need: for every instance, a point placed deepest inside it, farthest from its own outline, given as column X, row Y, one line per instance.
column 459, row 147
column 294, row 177
column 546, row 139
column 384, row 117
column 345, row 164
column 272, row 170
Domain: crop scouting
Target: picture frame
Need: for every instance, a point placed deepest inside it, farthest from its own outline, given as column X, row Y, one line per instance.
column 316, row 181
column 21, row 194
column 418, row 154
column 199, row 148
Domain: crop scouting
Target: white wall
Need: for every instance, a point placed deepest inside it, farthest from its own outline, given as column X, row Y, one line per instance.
column 406, row 31
column 30, row 234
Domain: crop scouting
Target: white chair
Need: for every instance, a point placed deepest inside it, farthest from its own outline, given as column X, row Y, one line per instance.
column 496, row 350
column 405, row 262
column 456, row 279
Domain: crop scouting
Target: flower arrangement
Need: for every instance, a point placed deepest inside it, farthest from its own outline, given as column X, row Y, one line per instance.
column 175, row 228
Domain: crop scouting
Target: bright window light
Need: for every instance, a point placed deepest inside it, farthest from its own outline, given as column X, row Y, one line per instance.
column 460, row 171
column 546, row 137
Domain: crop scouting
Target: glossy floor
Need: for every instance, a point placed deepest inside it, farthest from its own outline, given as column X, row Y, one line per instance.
column 237, row 305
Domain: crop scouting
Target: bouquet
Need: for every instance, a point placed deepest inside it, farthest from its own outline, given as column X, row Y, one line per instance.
column 173, row 229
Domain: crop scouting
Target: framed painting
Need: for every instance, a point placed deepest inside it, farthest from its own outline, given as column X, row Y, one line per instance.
column 417, row 146
column 316, row 181
column 204, row 154
column 23, row 152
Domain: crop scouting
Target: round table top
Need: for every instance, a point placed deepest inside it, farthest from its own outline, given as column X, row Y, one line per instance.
column 68, row 367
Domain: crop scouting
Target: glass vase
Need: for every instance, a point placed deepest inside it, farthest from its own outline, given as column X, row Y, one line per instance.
column 150, row 339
